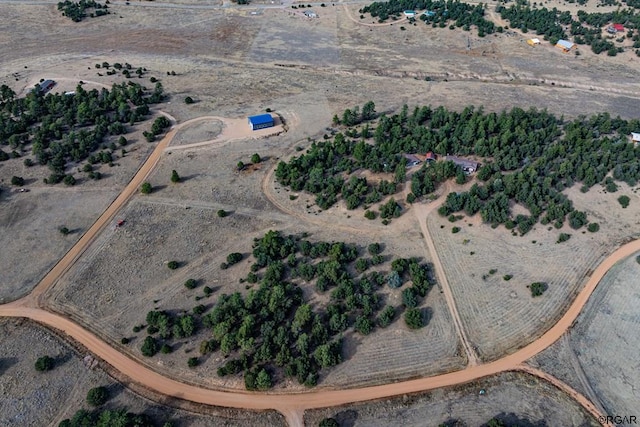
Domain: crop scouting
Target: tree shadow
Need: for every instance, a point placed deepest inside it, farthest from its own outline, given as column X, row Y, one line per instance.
column 512, row 419
column 115, row 390
column 6, row 363
column 159, row 187
column 427, row 315
column 62, row 359
column 346, row 418
column 188, row 177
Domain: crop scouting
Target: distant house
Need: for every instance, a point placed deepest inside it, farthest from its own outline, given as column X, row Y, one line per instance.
column 635, row 137
column 310, row 14
column 533, row 42
column 261, row 121
column 565, row 45
column 430, row 157
column 45, row 86
column 410, row 13
column 618, row 27
column 429, row 13
column 468, row 166
column 412, row 160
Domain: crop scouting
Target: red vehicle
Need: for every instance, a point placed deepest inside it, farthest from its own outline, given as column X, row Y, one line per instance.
column 120, row 223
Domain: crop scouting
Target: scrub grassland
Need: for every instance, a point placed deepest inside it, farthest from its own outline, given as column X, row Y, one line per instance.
column 182, row 249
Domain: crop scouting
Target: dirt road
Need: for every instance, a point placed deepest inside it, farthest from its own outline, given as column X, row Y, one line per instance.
column 421, row 211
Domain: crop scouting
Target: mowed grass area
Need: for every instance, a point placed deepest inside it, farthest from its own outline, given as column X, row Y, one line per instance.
column 500, row 315
column 32, row 398
column 606, row 338
column 516, row 399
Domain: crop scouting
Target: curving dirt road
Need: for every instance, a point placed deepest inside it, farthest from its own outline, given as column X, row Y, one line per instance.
column 291, row 405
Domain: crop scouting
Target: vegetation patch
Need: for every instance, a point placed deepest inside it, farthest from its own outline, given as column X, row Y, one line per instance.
column 274, row 330
column 538, row 288
column 77, row 11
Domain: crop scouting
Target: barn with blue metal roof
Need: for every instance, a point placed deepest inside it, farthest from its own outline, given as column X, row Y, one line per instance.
column 261, row 121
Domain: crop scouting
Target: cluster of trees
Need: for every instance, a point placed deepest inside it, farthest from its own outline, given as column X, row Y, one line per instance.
column 159, row 125
column 441, row 13
column 273, row 329
column 61, row 128
column 109, row 418
column 534, row 157
column 587, row 29
column 76, row 11
column 162, row 327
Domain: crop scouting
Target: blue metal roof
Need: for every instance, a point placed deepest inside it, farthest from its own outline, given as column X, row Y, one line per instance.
column 260, row 119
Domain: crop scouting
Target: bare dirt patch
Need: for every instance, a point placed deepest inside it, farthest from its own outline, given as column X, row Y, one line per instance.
column 512, row 397
column 202, row 131
column 31, row 398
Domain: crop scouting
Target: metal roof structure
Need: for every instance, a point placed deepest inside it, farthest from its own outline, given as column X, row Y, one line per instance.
column 261, row 121
column 565, row 44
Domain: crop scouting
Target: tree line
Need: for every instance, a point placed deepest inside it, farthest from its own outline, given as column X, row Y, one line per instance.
column 530, row 157
column 77, row 11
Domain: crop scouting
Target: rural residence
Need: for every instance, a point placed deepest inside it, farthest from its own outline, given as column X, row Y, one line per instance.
column 533, row 42
column 261, row 121
column 565, row 45
column 635, row 137
column 468, row 166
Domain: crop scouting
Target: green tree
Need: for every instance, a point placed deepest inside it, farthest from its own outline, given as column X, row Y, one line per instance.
column 190, row 284
column 146, row 188
column 149, row 347
column 175, row 178
column 17, row 180
column 222, row 213
column 255, row 158
column 64, row 231
column 328, row 422
column 413, row 318
column 188, row 100
column 538, row 288
column 193, row 362
column 173, row 265
column 97, row 396
column 44, row 363
column 624, row 201
column 263, row 380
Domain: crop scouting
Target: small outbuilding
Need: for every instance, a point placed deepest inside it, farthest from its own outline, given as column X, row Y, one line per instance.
column 310, row 14
column 565, row 45
column 635, row 137
column 533, row 42
column 468, row 166
column 261, row 121
column 410, row 13
column 619, row 28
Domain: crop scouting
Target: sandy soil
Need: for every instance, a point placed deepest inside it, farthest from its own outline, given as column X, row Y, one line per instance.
column 59, row 393
column 515, row 398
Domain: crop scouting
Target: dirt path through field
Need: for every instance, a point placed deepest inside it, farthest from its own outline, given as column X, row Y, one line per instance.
column 421, row 211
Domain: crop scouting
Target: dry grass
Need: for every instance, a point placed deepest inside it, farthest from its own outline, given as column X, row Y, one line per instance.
column 59, row 393
column 517, row 399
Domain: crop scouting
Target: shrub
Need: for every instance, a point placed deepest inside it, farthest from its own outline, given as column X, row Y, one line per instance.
column 190, row 284
column 222, row 213
column 240, row 165
column 369, row 214
column 124, row 341
column 64, row 231
column 638, row 259
column 255, row 158
column 328, row 422
column 593, row 227
column 149, row 347
column 394, row 280
column 173, row 265
column 410, row 297
column 175, row 178
column 207, row 290
column 192, row 362
column 386, row 316
column 624, row 201
column 455, row 230
column 537, row 288
column 17, row 180
column 166, row 349
column 234, row 258
column 374, row 248
column 146, row 188
column 69, row 180
column 414, row 318
column 97, row 396
column 188, row 100
column 44, row 363
column 28, row 162
column 563, row 237
column 507, row 277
